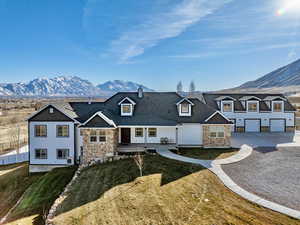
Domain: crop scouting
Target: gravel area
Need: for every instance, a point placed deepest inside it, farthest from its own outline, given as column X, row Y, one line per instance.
column 273, row 174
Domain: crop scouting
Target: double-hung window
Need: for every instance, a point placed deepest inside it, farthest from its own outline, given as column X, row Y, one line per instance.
column 62, row 153
column 41, row 153
column 40, row 130
column 126, row 109
column 216, row 132
column 97, row 136
column 252, row 106
column 62, row 130
column 139, row 132
column 227, row 106
column 152, row 132
column 277, row 106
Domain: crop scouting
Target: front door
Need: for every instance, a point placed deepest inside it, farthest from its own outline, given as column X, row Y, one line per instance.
column 125, row 135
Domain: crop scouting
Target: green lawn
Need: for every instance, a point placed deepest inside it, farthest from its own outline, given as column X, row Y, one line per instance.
column 170, row 192
column 40, row 191
column 14, row 180
column 208, row 154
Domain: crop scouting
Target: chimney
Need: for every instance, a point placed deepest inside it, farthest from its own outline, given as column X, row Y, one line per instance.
column 140, row 92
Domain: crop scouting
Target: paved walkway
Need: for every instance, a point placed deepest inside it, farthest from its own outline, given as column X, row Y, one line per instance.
column 215, row 167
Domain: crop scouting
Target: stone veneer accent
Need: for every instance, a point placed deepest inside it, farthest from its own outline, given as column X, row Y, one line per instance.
column 264, row 129
column 97, row 151
column 240, row 129
column 289, row 129
column 209, row 142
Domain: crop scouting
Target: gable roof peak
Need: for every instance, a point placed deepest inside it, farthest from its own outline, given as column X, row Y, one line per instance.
column 128, row 99
column 185, row 99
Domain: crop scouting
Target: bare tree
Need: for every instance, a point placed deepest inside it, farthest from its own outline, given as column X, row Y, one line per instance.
column 192, row 87
column 179, row 87
column 139, row 161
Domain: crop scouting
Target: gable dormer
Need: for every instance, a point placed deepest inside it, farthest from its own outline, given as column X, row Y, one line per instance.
column 251, row 103
column 184, row 107
column 126, row 106
column 225, row 103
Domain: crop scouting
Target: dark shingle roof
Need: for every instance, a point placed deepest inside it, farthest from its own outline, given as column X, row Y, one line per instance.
column 154, row 108
column 210, row 100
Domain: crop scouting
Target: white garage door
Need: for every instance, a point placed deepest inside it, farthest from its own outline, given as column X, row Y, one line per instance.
column 277, row 125
column 252, row 125
column 190, row 134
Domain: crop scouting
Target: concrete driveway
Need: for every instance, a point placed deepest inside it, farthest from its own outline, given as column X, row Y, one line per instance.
column 264, row 139
column 271, row 173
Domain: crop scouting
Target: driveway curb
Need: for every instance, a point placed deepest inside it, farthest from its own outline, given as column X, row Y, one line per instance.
column 215, row 167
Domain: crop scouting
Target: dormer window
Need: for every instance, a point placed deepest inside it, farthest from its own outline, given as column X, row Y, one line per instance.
column 126, row 109
column 127, row 106
column 185, row 107
column 252, row 106
column 277, row 106
column 227, row 106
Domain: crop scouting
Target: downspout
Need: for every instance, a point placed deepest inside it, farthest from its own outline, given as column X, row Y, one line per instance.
column 145, row 139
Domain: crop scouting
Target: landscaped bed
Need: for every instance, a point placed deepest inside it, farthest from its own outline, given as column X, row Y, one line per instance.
column 170, row 192
column 208, row 154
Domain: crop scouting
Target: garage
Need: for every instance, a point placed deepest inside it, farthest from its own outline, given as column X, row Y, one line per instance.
column 252, row 125
column 190, row 134
column 277, row 125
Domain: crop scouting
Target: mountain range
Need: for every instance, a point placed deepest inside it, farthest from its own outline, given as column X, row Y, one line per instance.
column 67, row 86
column 284, row 80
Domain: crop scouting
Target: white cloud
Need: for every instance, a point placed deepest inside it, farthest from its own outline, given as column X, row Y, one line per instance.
column 163, row 26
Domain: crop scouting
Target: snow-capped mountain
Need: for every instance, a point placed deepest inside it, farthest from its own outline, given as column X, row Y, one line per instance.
column 119, row 85
column 63, row 86
column 285, row 76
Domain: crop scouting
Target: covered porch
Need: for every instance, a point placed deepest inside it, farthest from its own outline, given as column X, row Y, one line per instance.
column 143, row 147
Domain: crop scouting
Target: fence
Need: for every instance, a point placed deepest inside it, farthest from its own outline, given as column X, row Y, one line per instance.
column 16, row 158
column 5, row 147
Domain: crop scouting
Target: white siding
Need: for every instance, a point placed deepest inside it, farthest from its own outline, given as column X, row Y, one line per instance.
column 79, row 142
column 169, row 132
column 190, row 134
column 51, row 143
column 265, row 117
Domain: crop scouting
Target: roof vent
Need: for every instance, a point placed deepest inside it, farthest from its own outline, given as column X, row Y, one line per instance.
column 90, row 101
column 140, row 92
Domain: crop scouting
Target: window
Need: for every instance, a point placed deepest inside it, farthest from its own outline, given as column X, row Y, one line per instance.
column 139, row 132
column 102, row 136
column 40, row 130
column 62, row 130
column 93, row 136
column 185, row 108
column 51, row 110
column 41, row 153
column 62, row 153
column 98, row 136
column 216, row 132
column 227, row 106
column 252, row 107
column 152, row 132
column 126, row 109
column 277, row 106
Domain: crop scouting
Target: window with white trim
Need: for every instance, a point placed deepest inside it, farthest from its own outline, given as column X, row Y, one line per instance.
column 152, row 132
column 216, row 132
column 93, row 136
column 139, row 132
column 126, row 109
column 102, row 135
column 252, row 106
column 227, row 106
column 277, row 106
column 62, row 131
column 41, row 153
column 62, row 153
column 40, row 130
column 185, row 109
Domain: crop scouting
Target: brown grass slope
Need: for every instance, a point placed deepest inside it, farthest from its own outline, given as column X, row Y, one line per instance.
column 170, row 192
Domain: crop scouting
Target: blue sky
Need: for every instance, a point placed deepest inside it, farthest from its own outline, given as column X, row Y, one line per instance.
column 216, row 43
